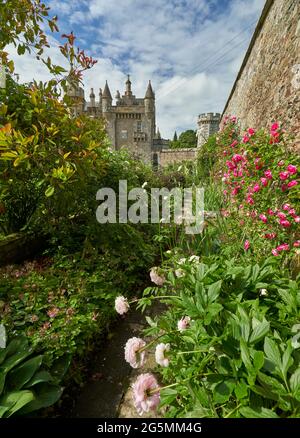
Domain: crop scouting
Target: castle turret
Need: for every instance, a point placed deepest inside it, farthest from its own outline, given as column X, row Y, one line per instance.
column 208, row 124
column 149, row 99
column 76, row 94
column 128, row 91
column 92, row 98
column 100, row 97
column 117, row 96
column 106, row 98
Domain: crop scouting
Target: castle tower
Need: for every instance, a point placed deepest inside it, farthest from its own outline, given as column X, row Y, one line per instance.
column 106, row 99
column 149, row 99
column 76, row 94
column 92, row 98
column 129, row 122
column 117, row 96
column 208, row 124
column 100, row 98
column 128, row 91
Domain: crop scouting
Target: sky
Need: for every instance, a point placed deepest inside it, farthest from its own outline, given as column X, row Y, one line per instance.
column 191, row 50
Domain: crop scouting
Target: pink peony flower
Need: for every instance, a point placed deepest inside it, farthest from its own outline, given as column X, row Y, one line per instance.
column 292, row 212
column 251, row 131
column 281, row 215
column 296, row 244
column 233, row 119
column 160, row 357
column 263, row 218
column 155, row 278
column 284, row 175
column 292, row 183
column 234, row 143
column 285, row 223
column 135, row 358
column 275, row 252
column 283, row 247
column 284, row 187
column 183, row 323
column 144, row 397
column 297, row 219
column 246, row 138
column 268, row 174
column 280, row 163
column 246, row 245
column 121, row 305
column 271, row 212
column 286, row 207
column 256, row 188
column 291, row 169
column 264, row 181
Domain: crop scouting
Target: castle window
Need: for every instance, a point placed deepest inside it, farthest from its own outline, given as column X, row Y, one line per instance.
column 139, row 126
column 124, row 133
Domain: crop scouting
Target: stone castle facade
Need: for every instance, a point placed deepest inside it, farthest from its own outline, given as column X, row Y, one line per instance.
column 208, row 124
column 130, row 123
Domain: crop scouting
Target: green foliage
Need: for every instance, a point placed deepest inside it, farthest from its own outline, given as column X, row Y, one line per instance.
column 236, row 358
column 26, row 384
column 187, row 139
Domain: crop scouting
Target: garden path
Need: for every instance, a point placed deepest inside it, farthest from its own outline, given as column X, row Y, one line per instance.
column 108, row 394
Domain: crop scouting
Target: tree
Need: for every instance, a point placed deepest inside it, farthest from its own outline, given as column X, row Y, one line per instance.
column 175, row 138
column 187, row 139
column 23, row 23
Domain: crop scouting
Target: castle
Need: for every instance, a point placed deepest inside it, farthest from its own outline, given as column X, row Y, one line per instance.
column 130, row 123
column 208, row 124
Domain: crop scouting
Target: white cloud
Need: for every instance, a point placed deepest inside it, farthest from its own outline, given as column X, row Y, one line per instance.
column 190, row 49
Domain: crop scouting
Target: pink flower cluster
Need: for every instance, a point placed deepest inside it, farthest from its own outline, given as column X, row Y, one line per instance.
column 250, row 180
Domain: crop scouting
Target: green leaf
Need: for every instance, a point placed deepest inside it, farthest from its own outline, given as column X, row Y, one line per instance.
column 21, row 49
column 168, row 395
column 287, row 360
column 214, row 291
column 245, row 355
column 23, row 373
column 15, row 401
column 14, row 360
column 257, row 413
column 60, row 367
column 272, row 352
column 39, row 377
column 241, row 390
column 223, row 391
column 49, row 191
column 259, row 332
column 258, row 360
column 2, row 381
column 295, row 381
column 45, row 395
column 271, row 383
